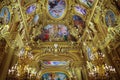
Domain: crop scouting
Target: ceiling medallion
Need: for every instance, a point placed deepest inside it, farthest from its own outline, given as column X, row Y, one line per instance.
column 56, row 8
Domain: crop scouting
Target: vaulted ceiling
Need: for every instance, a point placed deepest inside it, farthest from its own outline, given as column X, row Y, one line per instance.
column 63, row 30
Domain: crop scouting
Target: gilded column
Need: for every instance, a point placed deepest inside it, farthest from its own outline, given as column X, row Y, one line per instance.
column 5, row 67
column 78, row 73
column 84, row 73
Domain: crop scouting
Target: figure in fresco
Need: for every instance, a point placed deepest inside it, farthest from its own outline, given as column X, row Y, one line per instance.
column 53, row 3
column 46, row 35
column 79, row 23
column 55, row 63
column 56, row 8
column 55, row 76
column 5, row 18
column 53, row 32
column 5, row 15
column 110, row 18
column 31, row 9
column 80, row 10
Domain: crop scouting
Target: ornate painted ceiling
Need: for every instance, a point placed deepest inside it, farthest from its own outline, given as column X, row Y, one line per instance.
column 60, row 32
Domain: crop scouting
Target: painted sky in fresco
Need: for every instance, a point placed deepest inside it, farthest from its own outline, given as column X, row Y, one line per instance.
column 56, row 8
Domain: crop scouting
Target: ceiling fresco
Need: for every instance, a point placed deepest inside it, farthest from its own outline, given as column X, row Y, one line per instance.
column 59, row 39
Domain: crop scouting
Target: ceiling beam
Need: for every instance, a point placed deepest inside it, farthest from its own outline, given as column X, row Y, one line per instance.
column 89, row 19
column 24, row 21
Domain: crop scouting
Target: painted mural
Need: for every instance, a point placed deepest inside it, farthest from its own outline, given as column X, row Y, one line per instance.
column 79, row 23
column 54, row 76
column 56, row 8
column 4, row 15
column 31, row 9
column 55, row 63
column 80, row 10
column 33, row 19
column 89, row 3
column 54, row 32
column 110, row 18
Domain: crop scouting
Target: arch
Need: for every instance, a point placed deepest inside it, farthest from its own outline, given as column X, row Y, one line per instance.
column 68, row 56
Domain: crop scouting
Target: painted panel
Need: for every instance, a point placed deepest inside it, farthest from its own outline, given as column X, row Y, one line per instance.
column 110, row 18
column 54, row 32
column 56, row 8
column 55, row 63
column 31, row 9
column 55, row 76
column 80, row 10
column 79, row 23
column 5, row 15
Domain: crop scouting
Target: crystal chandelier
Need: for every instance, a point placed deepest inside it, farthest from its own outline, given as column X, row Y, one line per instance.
column 98, row 68
column 21, row 70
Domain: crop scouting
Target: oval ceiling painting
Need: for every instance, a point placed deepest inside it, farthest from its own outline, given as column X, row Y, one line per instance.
column 5, row 15
column 110, row 18
column 56, row 8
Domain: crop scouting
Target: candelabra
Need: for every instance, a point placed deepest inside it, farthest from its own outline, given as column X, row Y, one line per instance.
column 103, row 71
column 98, row 69
column 21, row 70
